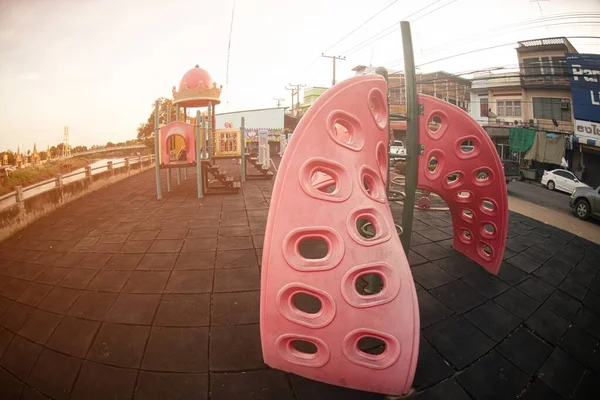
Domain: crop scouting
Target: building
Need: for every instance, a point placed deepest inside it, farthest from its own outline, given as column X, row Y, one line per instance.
column 496, row 98
column 545, row 84
column 311, row 95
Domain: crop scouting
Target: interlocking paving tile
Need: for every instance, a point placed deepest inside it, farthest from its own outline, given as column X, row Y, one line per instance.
column 20, row 356
column 77, row 278
column 199, row 245
column 266, row 385
column 535, row 289
column 430, row 309
column 308, row 389
column 136, row 246
column 431, row 368
column 549, row 276
column 579, row 344
column 15, row 316
column 14, row 288
column 40, row 326
column 109, row 281
column 155, row 262
column 236, row 259
column 5, row 338
column 98, row 381
column 123, row 262
column 146, row 282
column 538, row 390
column 563, row 305
column 434, row 234
column 52, row 275
column 178, row 350
column 493, row 377
column 174, row 233
column 163, row 385
column 458, row 296
column 548, row 325
column 589, row 387
column 204, row 232
column 34, row 294
column 94, row 261
column 166, row 246
column 431, row 276
column 183, row 310
column 573, row 288
column 237, row 308
column 10, row 387
column 458, row 341
column 413, row 258
column 92, row 305
column 589, row 321
column 191, row 261
column 190, row 282
column 523, row 263
column 143, row 234
column 486, row 283
column 537, row 254
column 561, row 373
column 238, row 279
column 525, row 350
column 449, row 389
column 235, row 348
column 133, row 308
column 517, row 303
column 592, row 302
column 432, row 251
column 54, row 374
column 583, row 274
column 119, row 345
column 493, row 320
column 73, row 336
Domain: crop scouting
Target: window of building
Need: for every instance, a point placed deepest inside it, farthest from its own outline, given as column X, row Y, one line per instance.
column 509, row 108
column 551, row 108
column 532, row 66
column 483, row 106
column 452, row 101
column 559, row 64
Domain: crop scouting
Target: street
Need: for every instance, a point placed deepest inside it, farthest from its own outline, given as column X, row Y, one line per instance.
column 538, row 194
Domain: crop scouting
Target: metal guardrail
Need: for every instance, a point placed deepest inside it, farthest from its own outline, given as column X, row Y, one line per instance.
column 21, row 192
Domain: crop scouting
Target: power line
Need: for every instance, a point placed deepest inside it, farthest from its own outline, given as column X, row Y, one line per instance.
column 439, row 8
column 361, row 25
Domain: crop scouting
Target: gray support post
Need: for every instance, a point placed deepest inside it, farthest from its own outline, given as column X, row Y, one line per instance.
column 59, row 180
column 210, row 134
column 88, row 172
column 198, row 155
column 243, row 150
column 383, row 72
column 185, row 174
column 168, row 170
column 412, row 135
column 178, row 174
column 19, row 197
column 156, row 153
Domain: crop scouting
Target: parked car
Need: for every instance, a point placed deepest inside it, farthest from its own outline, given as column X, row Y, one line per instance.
column 585, row 201
column 562, row 180
column 397, row 150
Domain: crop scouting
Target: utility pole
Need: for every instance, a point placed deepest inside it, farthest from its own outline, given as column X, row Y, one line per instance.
column 295, row 88
column 278, row 100
column 334, row 58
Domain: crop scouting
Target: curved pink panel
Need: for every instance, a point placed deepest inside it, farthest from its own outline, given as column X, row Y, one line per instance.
column 469, row 178
column 330, row 181
column 186, row 131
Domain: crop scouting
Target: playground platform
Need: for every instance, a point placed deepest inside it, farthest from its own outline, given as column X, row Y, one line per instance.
column 120, row 296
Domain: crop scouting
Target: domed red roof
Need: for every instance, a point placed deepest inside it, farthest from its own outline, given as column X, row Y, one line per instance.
column 194, row 77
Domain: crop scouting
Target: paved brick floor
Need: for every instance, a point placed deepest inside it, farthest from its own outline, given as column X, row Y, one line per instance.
column 120, row 296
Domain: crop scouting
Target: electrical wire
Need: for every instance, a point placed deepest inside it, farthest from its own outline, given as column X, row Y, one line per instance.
column 439, row 8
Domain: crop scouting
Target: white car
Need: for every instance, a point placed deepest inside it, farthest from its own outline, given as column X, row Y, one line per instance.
column 397, row 150
column 562, row 180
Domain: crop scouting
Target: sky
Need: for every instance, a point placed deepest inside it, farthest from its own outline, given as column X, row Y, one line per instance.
column 98, row 65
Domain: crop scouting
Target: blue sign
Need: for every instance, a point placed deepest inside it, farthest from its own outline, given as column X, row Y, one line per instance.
column 584, row 70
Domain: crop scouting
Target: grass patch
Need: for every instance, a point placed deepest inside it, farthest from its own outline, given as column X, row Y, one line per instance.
column 31, row 175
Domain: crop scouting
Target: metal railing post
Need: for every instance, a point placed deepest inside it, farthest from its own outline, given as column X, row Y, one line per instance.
column 198, row 155
column 88, row 172
column 243, row 148
column 19, row 196
column 59, row 180
column 109, row 167
column 156, row 154
column 127, row 166
column 412, row 135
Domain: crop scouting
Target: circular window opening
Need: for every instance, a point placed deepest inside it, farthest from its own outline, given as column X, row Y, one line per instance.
column 370, row 185
column 487, row 251
column 323, row 182
column 463, row 195
column 432, row 164
column 435, row 123
column 482, row 175
column 489, row 229
column 466, row 146
column 452, row 178
column 343, row 132
column 467, row 235
column 366, row 228
column 369, row 284
column 467, row 213
column 303, row 346
column 306, row 303
column 313, row 248
column 371, row 345
column 487, row 205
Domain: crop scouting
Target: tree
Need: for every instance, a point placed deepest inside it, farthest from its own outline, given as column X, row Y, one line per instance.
column 43, row 155
column 146, row 130
column 110, row 144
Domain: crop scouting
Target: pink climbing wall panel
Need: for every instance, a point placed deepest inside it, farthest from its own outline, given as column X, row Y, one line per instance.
column 186, row 131
column 460, row 163
column 331, row 177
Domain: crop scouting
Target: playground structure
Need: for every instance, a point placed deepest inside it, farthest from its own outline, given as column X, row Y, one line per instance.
column 188, row 142
column 338, row 301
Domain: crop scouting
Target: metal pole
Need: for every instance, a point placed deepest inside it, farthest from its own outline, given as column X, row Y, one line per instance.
column 243, row 150
column 168, row 171
column 412, row 135
column 198, row 156
column 210, row 133
column 156, row 153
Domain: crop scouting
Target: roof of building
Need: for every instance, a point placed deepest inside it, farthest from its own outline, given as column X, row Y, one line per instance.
column 546, row 43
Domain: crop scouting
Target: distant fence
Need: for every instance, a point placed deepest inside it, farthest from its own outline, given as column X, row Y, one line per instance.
column 107, row 149
column 26, row 204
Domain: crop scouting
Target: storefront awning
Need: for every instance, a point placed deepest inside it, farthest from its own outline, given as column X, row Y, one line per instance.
column 586, row 141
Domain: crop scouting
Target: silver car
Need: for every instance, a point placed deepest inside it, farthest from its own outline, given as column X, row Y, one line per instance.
column 585, row 201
